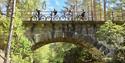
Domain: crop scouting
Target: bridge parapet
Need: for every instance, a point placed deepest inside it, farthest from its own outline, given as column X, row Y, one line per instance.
column 74, row 16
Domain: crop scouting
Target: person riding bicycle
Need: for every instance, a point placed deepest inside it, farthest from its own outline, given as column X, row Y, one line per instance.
column 38, row 14
column 83, row 15
column 55, row 12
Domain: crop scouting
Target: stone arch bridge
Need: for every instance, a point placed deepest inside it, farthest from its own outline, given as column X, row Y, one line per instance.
column 79, row 33
column 44, row 30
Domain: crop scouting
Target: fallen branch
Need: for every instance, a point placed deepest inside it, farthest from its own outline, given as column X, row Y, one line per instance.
column 2, row 57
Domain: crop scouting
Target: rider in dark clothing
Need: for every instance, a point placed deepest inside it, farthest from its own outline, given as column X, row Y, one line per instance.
column 70, row 12
column 83, row 14
column 55, row 12
column 38, row 14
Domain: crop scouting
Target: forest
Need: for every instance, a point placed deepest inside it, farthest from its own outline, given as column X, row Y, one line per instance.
column 15, row 47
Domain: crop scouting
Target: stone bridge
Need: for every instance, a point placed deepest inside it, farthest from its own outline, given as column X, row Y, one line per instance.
column 45, row 29
column 80, row 33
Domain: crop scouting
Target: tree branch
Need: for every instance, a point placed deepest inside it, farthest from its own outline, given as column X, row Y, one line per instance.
column 2, row 57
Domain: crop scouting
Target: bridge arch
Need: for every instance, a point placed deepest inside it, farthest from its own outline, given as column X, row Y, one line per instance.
column 78, row 42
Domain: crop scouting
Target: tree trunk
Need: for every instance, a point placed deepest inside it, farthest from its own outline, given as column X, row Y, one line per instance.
column 94, row 9
column 8, row 48
column 9, row 5
column 104, row 10
column 100, row 8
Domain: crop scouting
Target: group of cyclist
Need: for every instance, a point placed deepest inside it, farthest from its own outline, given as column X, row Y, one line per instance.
column 67, row 12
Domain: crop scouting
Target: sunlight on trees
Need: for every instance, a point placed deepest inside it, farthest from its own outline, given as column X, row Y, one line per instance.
column 109, row 34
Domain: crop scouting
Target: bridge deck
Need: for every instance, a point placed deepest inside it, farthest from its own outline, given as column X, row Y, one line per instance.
column 76, row 22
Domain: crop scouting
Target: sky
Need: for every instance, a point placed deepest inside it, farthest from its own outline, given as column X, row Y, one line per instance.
column 55, row 4
column 50, row 5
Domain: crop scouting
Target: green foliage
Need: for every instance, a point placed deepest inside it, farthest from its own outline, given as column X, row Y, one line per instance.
column 119, row 56
column 20, row 44
column 18, row 59
column 4, row 25
column 41, row 54
column 52, row 53
column 81, row 55
column 112, row 36
column 30, row 4
column 60, row 50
